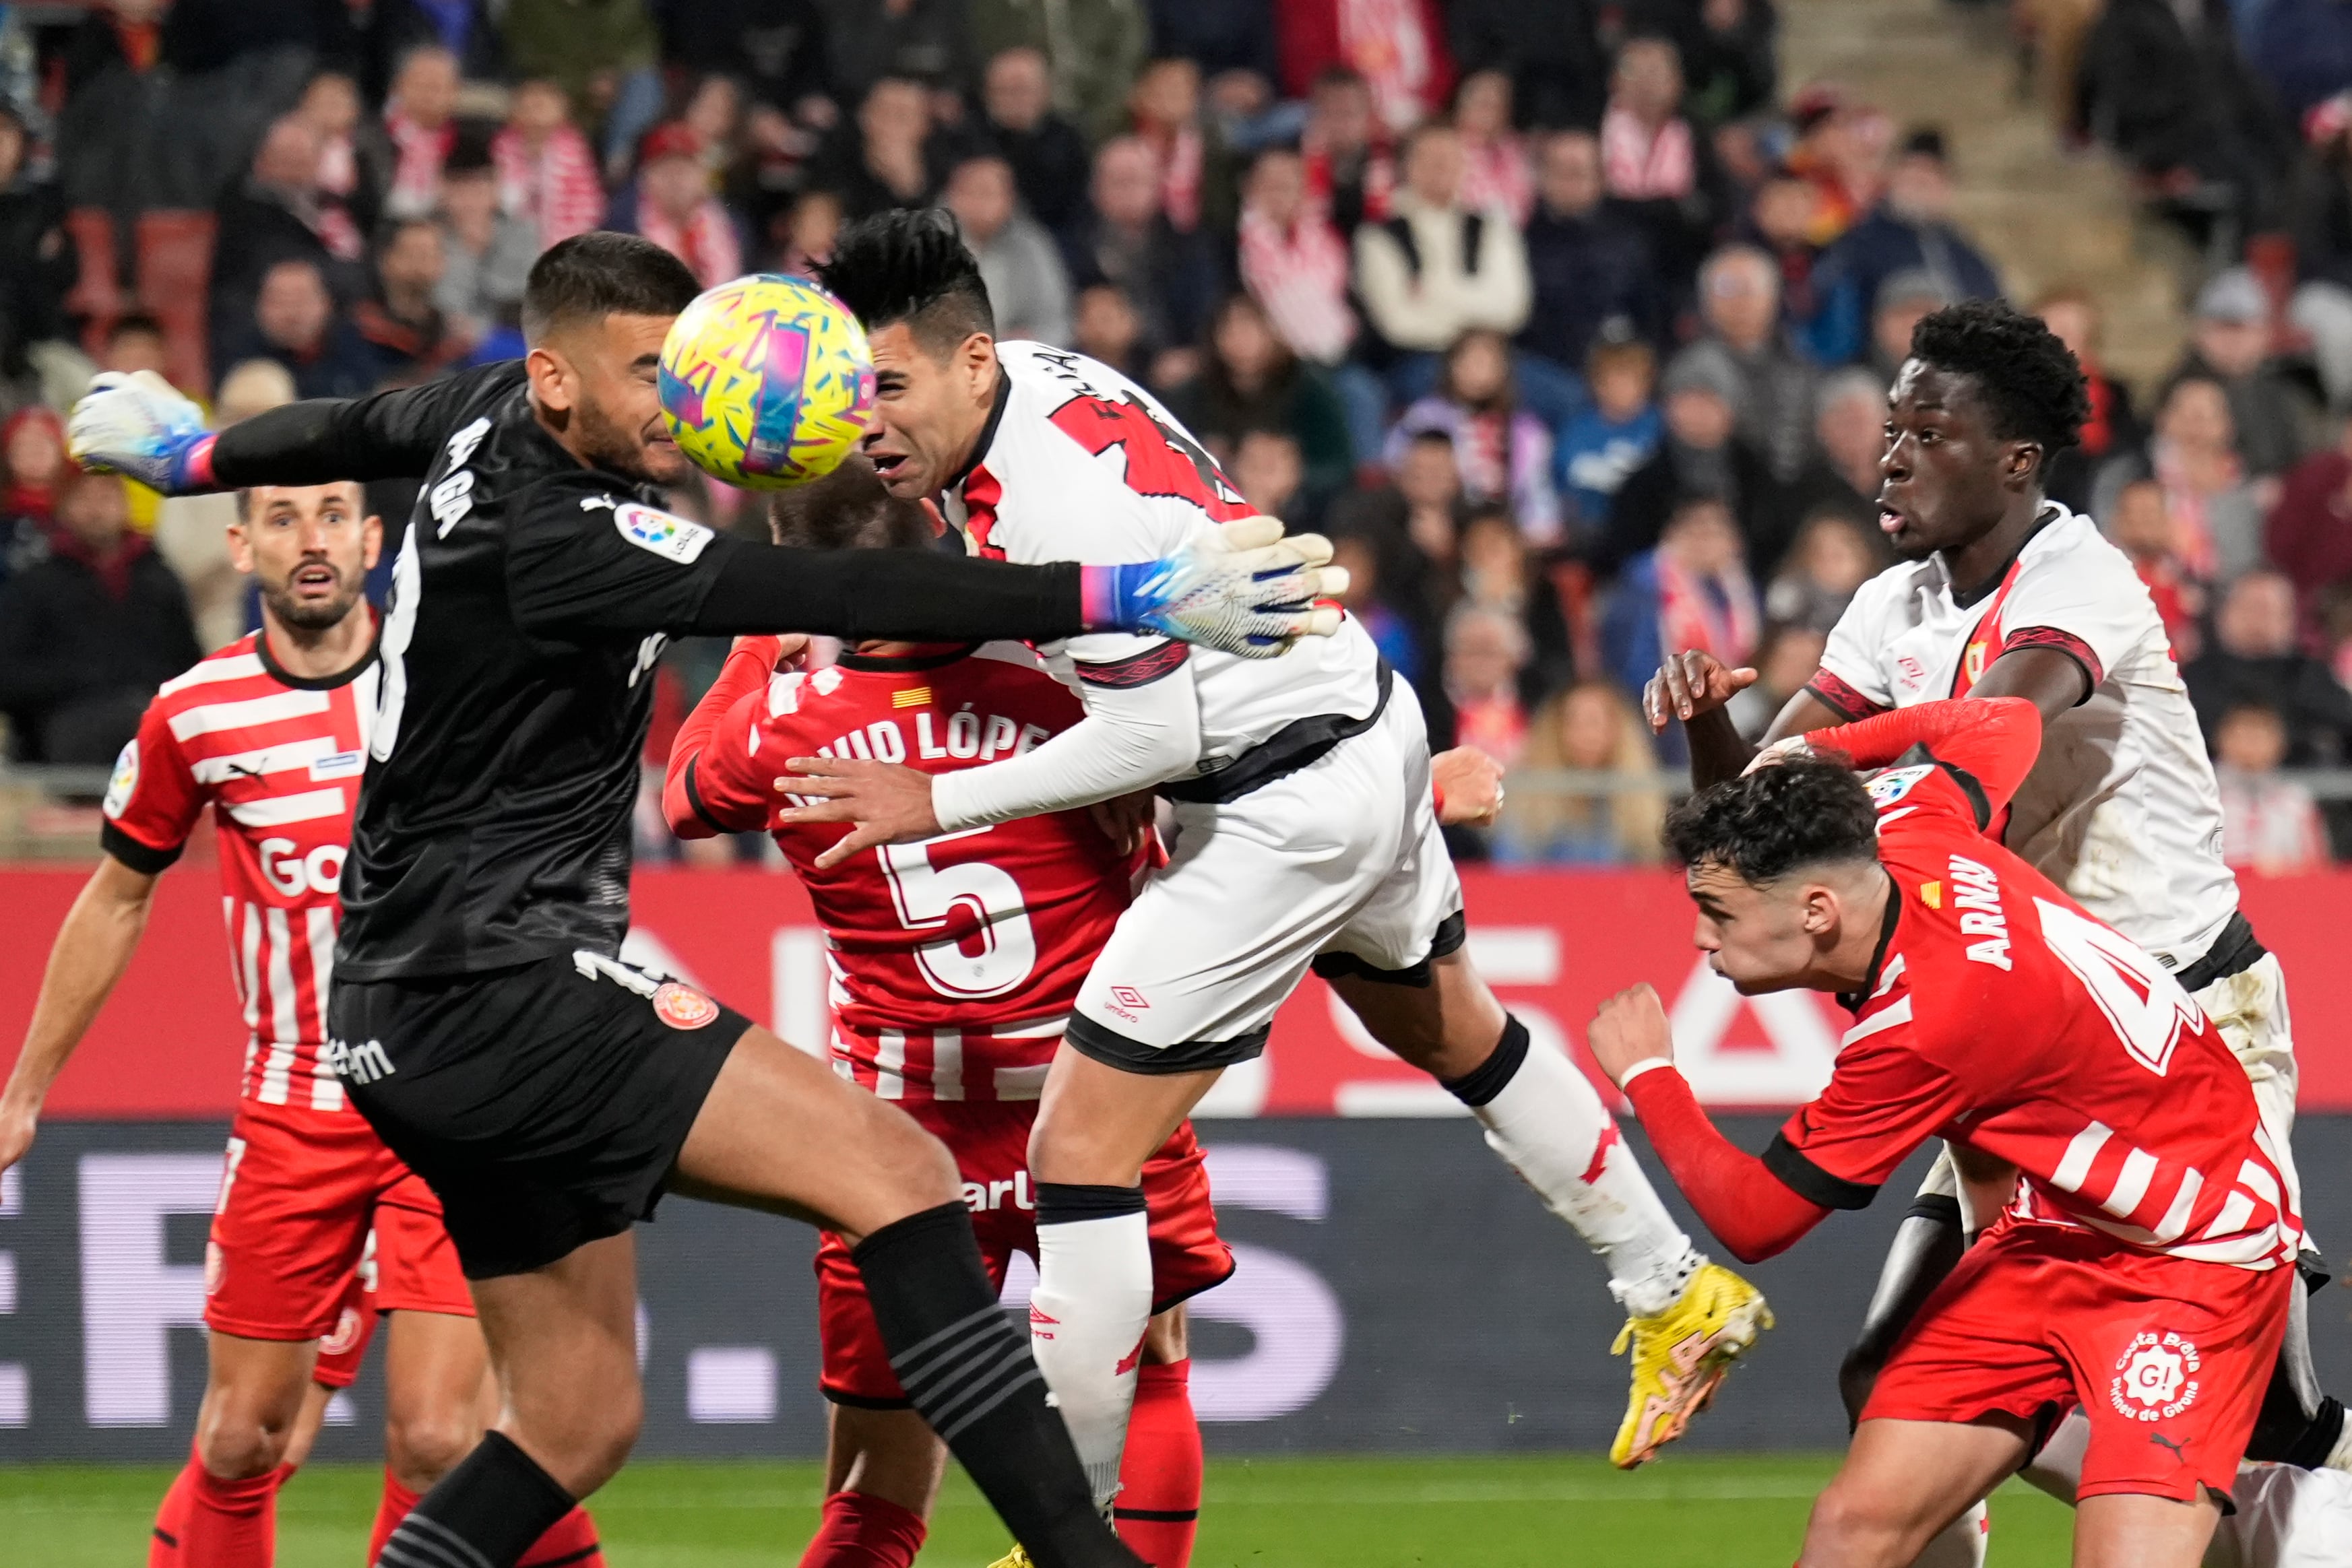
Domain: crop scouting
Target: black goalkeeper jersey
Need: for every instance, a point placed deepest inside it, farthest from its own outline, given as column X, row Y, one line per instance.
column 530, row 599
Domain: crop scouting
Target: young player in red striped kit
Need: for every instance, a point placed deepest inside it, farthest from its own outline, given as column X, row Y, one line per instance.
column 2142, row 1257
column 270, row 735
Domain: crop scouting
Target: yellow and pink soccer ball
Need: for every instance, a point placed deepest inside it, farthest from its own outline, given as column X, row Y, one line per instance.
column 766, row 382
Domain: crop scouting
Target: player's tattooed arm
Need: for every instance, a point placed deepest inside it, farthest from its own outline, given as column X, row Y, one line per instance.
column 93, row 949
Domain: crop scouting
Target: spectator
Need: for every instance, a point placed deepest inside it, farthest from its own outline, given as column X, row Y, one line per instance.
column 883, row 159
column 465, row 28
column 1589, row 727
column 1270, row 473
column 1497, row 572
column 1830, row 560
column 36, row 260
column 1164, row 113
column 2140, row 523
column 1607, row 443
column 1496, row 170
column 1438, row 269
column 88, row 633
column 1390, row 633
column 1739, row 299
column 604, row 54
column 2309, row 534
column 2072, row 314
column 1047, row 152
column 420, row 122
column 672, row 205
column 1903, row 301
column 1028, row 286
column 775, row 48
column 1691, row 591
column 32, row 468
column 1093, row 48
column 809, row 228
column 2255, row 659
column 2229, row 342
column 2269, row 823
column 486, row 250
column 1779, row 222
column 1293, row 261
column 1397, row 49
column 1170, row 276
column 1850, row 433
column 412, row 338
column 921, row 40
column 1652, row 158
column 134, row 342
column 1481, row 704
column 1909, row 230
column 1550, row 49
column 191, row 532
column 1785, row 666
column 547, row 175
column 275, row 214
column 296, row 324
column 1251, row 381
column 1841, row 150
column 1415, row 522
column 714, row 111
column 354, row 162
column 1727, row 49
column 1226, row 38
column 1106, row 326
column 1351, row 171
column 2217, row 521
column 1503, row 450
column 1589, row 265
column 1700, row 456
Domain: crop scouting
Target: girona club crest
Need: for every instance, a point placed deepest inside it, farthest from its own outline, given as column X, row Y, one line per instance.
column 2155, row 1377
column 683, row 1006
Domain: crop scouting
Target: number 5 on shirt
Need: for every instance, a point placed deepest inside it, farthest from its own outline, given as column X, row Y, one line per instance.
column 927, row 897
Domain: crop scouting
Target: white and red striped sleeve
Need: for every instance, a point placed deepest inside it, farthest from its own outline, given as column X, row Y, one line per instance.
column 154, row 800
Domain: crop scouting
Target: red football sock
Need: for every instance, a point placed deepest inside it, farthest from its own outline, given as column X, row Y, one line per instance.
column 861, row 1530
column 171, row 1522
column 569, row 1543
column 1159, row 1505
column 229, row 1525
column 398, row 1501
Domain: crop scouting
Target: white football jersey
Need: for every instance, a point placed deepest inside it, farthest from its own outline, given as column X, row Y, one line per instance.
column 1079, row 463
column 2122, row 809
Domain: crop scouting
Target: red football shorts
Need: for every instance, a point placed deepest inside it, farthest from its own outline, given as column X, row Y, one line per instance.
column 2168, row 1358
column 990, row 1140
column 410, row 1265
column 300, row 1190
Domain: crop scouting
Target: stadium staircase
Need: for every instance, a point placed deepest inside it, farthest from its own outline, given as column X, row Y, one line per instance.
column 2046, row 215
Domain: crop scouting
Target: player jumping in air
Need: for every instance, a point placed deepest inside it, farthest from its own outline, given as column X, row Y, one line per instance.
column 1306, row 836
column 270, row 735
column 2140, row 1266
column 479, row 1017
column 2002, row 592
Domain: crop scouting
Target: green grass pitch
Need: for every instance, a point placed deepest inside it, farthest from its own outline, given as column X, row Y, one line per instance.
column 1521, row 1512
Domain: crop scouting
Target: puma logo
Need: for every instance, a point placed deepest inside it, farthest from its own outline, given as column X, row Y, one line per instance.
column 2180, row 1450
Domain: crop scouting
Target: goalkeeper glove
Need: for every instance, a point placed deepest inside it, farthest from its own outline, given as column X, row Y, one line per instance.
column 140, row 426
column 1248, row 589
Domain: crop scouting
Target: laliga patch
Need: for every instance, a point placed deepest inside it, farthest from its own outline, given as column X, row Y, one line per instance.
column 683, row 1006
column 671, row 537
column 2155, row 1377
column 1896, row 782
column 341, row 764
column 125, row 781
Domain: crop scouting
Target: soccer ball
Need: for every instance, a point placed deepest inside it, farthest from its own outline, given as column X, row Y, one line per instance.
column 766, row 382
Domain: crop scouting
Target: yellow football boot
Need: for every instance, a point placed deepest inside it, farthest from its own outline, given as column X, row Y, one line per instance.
column 1016, row 1558
column 1680, row 1354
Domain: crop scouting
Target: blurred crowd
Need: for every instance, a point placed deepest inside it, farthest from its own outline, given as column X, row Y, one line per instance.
column 1569, row 319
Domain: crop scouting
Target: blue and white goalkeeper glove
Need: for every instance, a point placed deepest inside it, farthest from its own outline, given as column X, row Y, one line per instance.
column 1248, row 589
column 138, row 425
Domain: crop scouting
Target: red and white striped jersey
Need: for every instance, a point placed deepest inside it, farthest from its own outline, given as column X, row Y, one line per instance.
column 2001, row 1016
column 956, row 960
column 278, row 759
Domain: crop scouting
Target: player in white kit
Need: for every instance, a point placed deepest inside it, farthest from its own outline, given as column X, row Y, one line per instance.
column 1306, row 837
column 2002, row 592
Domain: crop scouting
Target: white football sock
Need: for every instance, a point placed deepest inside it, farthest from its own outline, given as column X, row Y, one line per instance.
column 1551, row 1127
column 1086, row 1319
column 1959, row 1544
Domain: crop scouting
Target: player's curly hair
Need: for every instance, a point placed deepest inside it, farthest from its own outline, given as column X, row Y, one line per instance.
column 2029, row 379
column 1772, row 821
column 910, row 264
